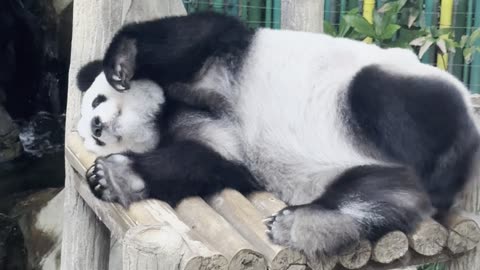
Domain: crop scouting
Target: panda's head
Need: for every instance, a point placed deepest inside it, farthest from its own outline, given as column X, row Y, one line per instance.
column 113, row 122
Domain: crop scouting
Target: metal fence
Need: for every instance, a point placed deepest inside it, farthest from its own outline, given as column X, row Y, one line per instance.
column 257, row 13
column 461, row 17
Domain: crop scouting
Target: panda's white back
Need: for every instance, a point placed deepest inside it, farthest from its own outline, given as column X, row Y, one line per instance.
column 289, row 109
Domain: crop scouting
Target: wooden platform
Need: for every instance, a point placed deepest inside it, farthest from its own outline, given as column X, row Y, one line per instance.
column 221, row 232
column 226, row 232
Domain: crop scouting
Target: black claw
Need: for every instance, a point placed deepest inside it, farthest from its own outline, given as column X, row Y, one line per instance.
column 269, row 235
column 99, row 187
column 119, row 78
column 90, row 171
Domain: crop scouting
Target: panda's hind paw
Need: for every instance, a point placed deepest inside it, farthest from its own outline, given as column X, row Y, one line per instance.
column 279, row 226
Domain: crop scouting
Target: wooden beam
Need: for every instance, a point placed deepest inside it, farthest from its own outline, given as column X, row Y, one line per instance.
column 305, row 15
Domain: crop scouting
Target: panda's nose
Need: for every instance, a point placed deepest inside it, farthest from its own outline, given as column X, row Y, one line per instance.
column 96, row 126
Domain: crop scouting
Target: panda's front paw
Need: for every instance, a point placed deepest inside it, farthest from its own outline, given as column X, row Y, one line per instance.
column 120, row 63
column 113, row 179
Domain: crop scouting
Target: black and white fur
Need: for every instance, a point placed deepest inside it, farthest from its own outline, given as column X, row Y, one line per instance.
column 358, row 140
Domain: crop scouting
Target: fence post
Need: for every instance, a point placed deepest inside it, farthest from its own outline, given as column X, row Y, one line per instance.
column 305, row 15
column 471, row 203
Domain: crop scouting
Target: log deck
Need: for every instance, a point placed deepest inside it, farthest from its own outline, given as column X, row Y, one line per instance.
column 224, row 231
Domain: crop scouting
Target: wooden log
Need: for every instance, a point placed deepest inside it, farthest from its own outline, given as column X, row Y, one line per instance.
column 323, row 263
column 154, row 212
column 287, row 258
column 245, row 218
column 390, row 247
column 267, row 204
column 411, row 259
column 247, row 259
column 146, row 213
column 85, row 240
column 158, row 247
column 305, row 15
column 235, row 208
column 211, row 226
column 357, row 257
column 429, row 238
column 463, row 235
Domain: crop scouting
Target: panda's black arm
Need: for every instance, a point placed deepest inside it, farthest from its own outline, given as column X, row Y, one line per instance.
column 170, row 173
column 173, row 49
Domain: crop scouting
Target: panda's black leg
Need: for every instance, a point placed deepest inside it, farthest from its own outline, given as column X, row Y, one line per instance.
column 174, row 49
column 120, row 63
column 363, row 203
column 168, row 173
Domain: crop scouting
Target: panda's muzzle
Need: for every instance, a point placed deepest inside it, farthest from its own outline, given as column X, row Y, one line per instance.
column 96, row 126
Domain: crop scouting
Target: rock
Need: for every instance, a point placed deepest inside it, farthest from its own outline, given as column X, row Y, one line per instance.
column 10, row 146
column 43, row 134
column 12, row 250
column 40, row 219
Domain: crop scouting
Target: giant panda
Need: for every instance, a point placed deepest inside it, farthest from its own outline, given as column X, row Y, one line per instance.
column 357, row 140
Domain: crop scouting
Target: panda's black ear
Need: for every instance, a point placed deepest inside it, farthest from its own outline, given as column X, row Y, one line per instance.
column 87, row 74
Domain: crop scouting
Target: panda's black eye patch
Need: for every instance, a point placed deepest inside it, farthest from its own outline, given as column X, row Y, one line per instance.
column 99, row 99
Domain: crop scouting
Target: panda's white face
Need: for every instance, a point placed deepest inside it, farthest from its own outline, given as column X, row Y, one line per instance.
column 113, row 122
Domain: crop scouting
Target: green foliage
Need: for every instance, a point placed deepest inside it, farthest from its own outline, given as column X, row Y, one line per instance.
column 382, row 30
column 469, row 45
column 344, row 29
column 400, row 23
column 442, row 38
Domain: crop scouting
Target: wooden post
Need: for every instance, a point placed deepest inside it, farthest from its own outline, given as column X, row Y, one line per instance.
column 305, row 15
column 471, row 203
column 85, row 242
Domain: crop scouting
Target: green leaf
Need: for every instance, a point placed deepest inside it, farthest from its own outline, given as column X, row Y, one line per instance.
column 442, row 46
column 418, row 41
column 441, row 32
column 378, row 23
column 355, row 35
column 404, row 37
column 390, row 30
column 392, row 7
column 343, row 29
column 463, row 41
column 424, row 48
column 401, row 4
column 360, row 24
column 329, row 29
column 451, row 45
column 467, row 55
column 474, row 36
column 414, row 13
column 353, row 11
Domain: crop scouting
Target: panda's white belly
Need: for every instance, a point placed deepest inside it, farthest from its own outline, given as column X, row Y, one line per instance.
column 289, row 111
